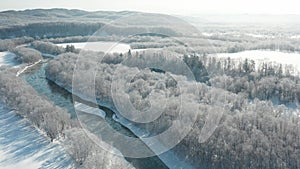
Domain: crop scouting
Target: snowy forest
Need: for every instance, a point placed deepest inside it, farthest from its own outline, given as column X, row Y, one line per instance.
column 239, row 112
column 251, row 126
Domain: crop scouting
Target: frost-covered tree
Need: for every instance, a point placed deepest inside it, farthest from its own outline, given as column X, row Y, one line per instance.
column 27, row 55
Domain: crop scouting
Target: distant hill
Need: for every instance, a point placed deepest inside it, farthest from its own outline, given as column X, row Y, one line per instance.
column 64, row 22
column 12, row 18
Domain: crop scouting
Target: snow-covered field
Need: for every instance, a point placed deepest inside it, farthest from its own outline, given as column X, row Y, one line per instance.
column 237, row 34
column 7, row 58
column 108, row 47
column 266, row 56
column 23, row 146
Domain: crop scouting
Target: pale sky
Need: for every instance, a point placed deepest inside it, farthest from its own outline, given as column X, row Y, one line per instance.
column 182, row 7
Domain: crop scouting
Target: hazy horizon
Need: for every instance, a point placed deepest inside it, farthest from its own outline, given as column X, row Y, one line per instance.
column 187, row 7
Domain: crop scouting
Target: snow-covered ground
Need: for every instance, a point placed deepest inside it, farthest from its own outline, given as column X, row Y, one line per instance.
column 259, row 35
column 237, row 34
column 108, row 47
column 7, row 58
column 266, row 56
column 23, row 146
